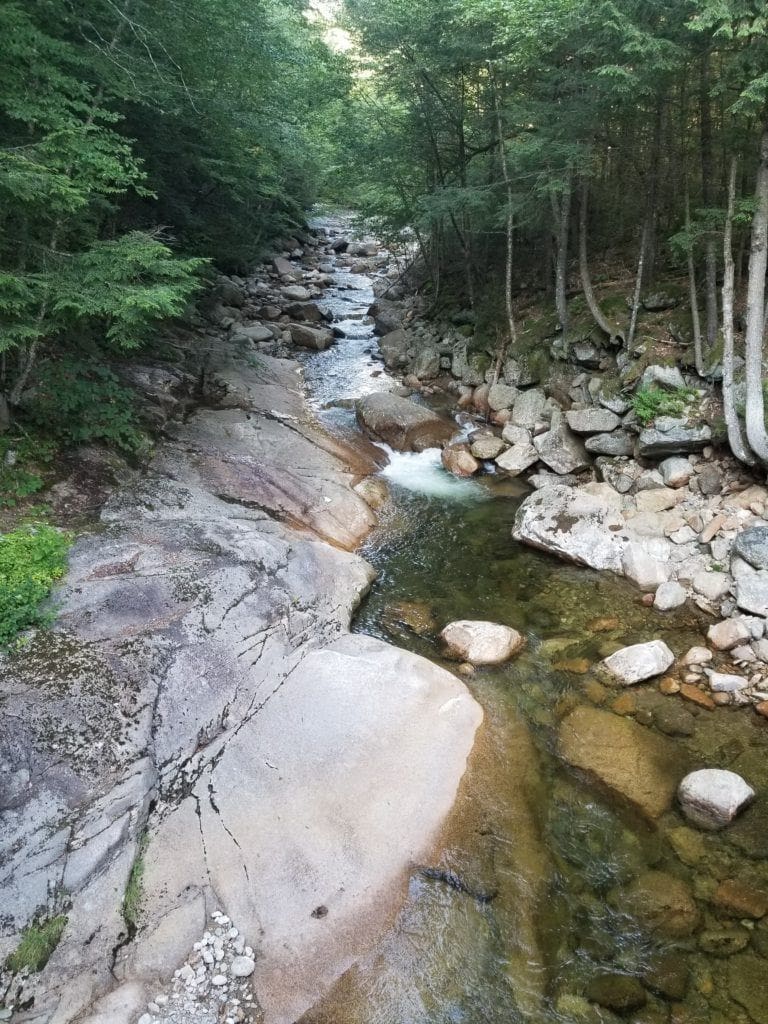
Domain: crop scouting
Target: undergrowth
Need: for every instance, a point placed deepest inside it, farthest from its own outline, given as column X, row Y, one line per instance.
column 648, row 403
column 32, row 558
column 134, row 886
column 38, row 941
column 24, row 460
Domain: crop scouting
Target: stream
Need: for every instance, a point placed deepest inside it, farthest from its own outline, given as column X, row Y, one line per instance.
column 522, row 904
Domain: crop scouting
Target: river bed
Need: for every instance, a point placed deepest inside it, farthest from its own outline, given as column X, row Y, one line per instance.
column 522, row 904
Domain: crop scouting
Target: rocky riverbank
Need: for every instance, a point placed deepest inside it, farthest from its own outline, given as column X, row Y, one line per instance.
column 200, row 733
column 619, row 452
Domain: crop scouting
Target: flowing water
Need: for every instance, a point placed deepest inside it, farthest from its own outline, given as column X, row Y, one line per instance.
column 524, row 902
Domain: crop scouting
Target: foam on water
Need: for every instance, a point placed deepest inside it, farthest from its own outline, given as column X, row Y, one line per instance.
column 423, row 473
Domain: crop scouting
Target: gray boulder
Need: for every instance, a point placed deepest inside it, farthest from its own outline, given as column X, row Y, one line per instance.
column 401, row 423
column 752, row 546
column 592, row 421
column 672, row 436
column 394, row 347
column 668, row 377
column 561, row 450
column 501, row 396
column 517, row 459
column 296, row 293
column 676, row 472
column 426, row 365
column 528, row 408
column 619, row 443
column 311, row 337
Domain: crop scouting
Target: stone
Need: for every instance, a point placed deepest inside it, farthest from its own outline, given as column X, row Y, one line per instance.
column 585, row 527
column 402, row 423
column 752, row 545
column 284, row 267
column 723, row 682
column 592, row 421
column 668, row 377
column 394, row 347
column 691, row 693
column 561, row 450
column 514, row 434
column 697, row 656
column 242, row 967
column 658, row 499
column 528, row 407
column 296, row 293
column 426, row 365
column 669, row 596
column 487, row 446
column 669, row 686
column 747, row 980
column 317, row 338
column 617, row 992
column 639, row 662
column 723, row 941
column 668, row 976
column 480, row 399
column 481, row 643
column 501, row 396
column 673, row 719
column 676, row 439
column 622, row 758
column 663, row 902
column 517, row 459
column 712, row 585
column 711, row 798
column 219, row 980
column 751, row 591
column 728, row 634
column 256, row 333
column 619, row 443
column 710, row 532
column 458, row 459
column 709, row 479
column 646, row 571
column 737, row 899
column 676, row 472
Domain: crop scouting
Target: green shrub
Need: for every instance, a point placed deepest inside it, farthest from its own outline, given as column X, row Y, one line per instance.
column 80, row 400
column 31, row 560
column 648, row 403
column 38, row 942
column 22, row 478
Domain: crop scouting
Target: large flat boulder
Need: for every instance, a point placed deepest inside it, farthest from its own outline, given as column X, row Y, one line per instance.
column 402, row 423
column 579, row 525
column 669, row 436
column 622, row 758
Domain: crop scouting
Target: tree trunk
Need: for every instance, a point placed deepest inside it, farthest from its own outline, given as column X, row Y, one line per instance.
column 511, row 327
column 638, row 285
column 698, row 357
column 736, row 440
column 758, row 260
column 562, row 215
column 586, row 280
column 707, row 198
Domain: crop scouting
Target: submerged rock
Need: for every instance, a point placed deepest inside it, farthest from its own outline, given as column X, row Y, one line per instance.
column 712, row 797
column 481, row 643
column 622, row 758
column 663, row 902
column 617, row 992
column 639, row 662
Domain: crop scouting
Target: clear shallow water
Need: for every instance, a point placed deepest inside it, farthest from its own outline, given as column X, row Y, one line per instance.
column 520, row 906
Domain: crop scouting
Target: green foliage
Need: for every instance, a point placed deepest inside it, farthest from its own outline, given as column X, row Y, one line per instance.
column 80, row 400
column 23, row 459
column 650, row 402
column 38, row 941
column 32, row 558
column 134, row 887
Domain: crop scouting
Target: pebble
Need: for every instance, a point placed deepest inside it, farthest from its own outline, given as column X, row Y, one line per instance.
column 242, row 967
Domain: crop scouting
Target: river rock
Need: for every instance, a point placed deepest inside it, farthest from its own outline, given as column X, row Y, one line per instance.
column 394, row 347
column 255, row 333
column 481, row 643
column 741, row 900
column 639, row 662
column 402, row 423
column 592, row 421
column 579, row 525
column 617, row 992
column 640, row 564
column 561, row 450
column 668, row 596
column 712, row 585
column 623, row 758
column 296, row 293
column 712, row 797
column 663, row 902
column 671, row 436
column 668, row 377
column 726, row 682
column 513, row 434
column 242, row 967
column 528, row 408
column 751, row 590
column 728, row 634
column 752, row 546
column 458, row 459
column 311, row 337
column 501, row 396
column 284, row 267
column 487, row 446
column 426, row 365
column 747, row 985
column 676, row 472
column 614, row 445
column 517, row 459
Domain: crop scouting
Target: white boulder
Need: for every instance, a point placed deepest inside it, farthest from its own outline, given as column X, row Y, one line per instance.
column 639, row 662
column 712, row 797
column 481, row 643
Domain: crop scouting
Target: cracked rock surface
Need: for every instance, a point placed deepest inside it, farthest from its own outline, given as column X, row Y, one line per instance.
column 201, row 712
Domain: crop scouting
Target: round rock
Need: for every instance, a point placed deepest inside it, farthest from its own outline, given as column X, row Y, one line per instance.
column 242, row 967
column 712, row 797
column 639, row 662
column 481, row 643
column 669, row 596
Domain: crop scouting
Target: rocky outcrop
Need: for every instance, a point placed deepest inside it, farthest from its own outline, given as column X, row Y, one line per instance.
column 200, row 700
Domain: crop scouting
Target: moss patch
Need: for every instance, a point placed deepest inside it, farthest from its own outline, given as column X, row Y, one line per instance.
column 135, row 886
column 38, row 941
